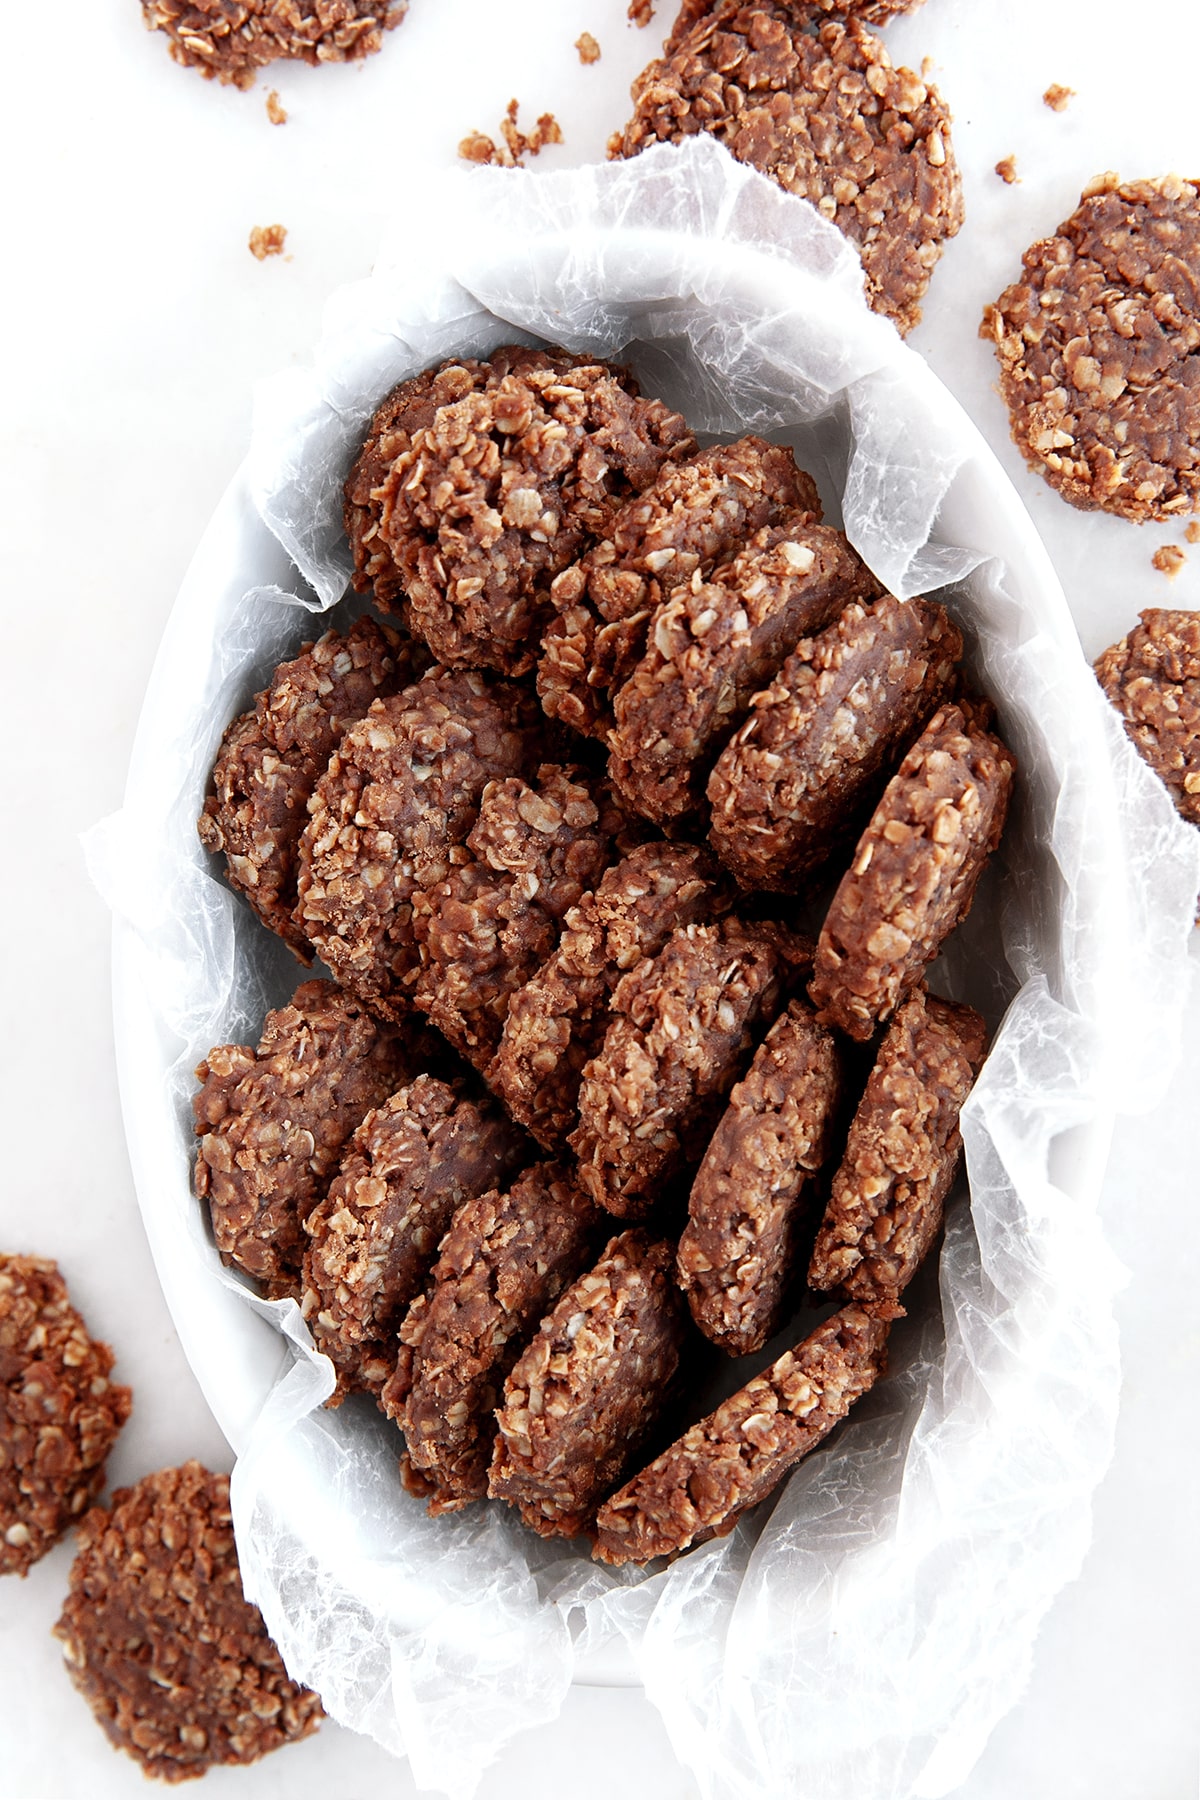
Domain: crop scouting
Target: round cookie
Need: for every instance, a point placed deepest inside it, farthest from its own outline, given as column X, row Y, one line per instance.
column 59, row 1412
column 160, row 1640
column 232, row 40
column 1097, row 345
column 1152, row 678
column 822, row 110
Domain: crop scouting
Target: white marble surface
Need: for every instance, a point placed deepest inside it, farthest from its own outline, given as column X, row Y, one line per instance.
column 137, row 324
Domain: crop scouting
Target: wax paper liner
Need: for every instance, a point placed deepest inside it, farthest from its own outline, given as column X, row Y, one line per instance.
column 861, row 1635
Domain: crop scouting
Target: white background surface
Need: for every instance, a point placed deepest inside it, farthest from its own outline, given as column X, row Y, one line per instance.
column 136, row 324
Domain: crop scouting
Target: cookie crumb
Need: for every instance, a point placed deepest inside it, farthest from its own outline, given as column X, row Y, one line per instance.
column 1168, row 559
column 1006, row 169
column 588, row 48
column 1192, row 534
column 1056, row 96
column 267, row 240
column 276, row 111
column 477, row 147
column 640, row 13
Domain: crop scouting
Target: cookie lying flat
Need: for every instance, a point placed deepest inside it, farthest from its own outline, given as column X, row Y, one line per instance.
column 557, row 1021
column 1097, row 348
column 503, row 1264
column 232, row 40
column 587, row 1390
column 914, row 872
column 374, row 1237
column 537, row 847
column 821, row 110
column 699, row 1488
column 271, row 757
column 59, row 1412
column 401, row 791
column 818, row 742
column 488, row 494
column 1152, row 678
column 694, row 513
column 272, row 1122
column 683, row 1028
column 885, row 1208
column 160, row 1640
column 748, row 1205
column 712, row 645
column 869, row 12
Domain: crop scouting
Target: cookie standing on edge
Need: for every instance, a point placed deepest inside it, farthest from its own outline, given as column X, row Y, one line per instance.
column 820, row 109
column 587, row 1390
column 699, row 1488
column 1097, row 345
column 1152, row 677
column 160, row 1640
column 503, row 1264
column 59, row 1412
column 272, row 1122
column 888, row 1195
column 914, row 873
column 750, row 1197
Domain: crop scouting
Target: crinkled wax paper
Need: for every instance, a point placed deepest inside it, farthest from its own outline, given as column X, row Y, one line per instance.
column 861, row 1636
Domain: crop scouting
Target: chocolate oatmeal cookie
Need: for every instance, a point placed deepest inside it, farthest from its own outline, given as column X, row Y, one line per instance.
column 694, row 513
column 59, row 1412
column 401, row 791
column 232, row 40
column 537, row 847
column 588, row 1389
column 503, row 1264
column 870, row 12
column 160, row 1640
column 914, row 872
column 885, row 1208
column 272, row 1122
column 556, row 1022
column 374, row 1237
column 701, row 1485
column 750, row 1199
column 1097, row 345
column 682, row 1031
column 1152, row 678
column 712, row 645
column 270, row 759
column 492, row 479
column 818, row 742
column 821, row 109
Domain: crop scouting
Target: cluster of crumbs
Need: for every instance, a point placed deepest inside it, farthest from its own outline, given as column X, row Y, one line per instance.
column 515, row 144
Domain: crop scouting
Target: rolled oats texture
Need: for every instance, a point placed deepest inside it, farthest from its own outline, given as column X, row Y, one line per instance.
column 231, row 40
column 1152, row 677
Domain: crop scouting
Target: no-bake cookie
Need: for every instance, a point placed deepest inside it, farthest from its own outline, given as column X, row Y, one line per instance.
column 1152, row 678
column 232, row 40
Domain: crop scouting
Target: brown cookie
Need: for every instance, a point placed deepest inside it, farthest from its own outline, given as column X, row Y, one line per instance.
column 1152, row 678
column 750, row 1199
column 1097, row 348
column 693, row 514
column 401, row 792
column 232, row 40
column 701, row 1485
column 885, row 1208
column 374, row 1237
column 816, row 747
column 821, row 109
column 869, row 12
column 588, row 1389
column 914, row 872
column 503, row 1264
column 557, row 1021
column 59, row 1412
column 712, row 645
column 160, row 1640
column 272, row 1122
column 270, row 759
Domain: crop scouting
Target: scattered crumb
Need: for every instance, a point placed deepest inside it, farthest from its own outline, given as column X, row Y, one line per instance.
column 267, row 240
column 588, row 48
column 1168, row 559
column 275, row 109
column 640, row 12
column 1006, row 169
column 1192, row 534
column 477, row 147
column 1056, row 96
column 927, row 69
